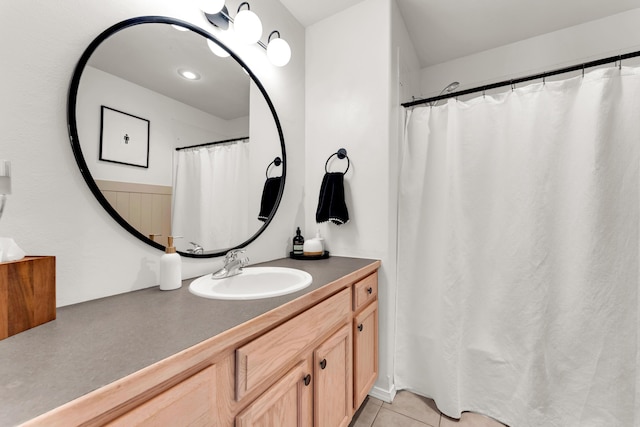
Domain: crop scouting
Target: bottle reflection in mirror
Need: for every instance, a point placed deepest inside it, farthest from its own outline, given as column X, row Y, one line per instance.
column 5, row 183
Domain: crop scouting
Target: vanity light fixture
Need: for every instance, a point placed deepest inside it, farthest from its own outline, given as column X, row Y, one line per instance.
column 215, row 48
column 248, row 27
column 188, row 74
column 278, row 50
column 211, row 6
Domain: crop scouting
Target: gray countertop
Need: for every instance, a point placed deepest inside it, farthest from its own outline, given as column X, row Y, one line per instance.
column 95, row 343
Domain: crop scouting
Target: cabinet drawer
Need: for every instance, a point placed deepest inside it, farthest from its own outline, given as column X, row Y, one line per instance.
column 265, row 355
column 365, row 291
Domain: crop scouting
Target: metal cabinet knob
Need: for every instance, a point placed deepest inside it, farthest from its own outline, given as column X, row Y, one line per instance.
column 369, row 290
column 360, row 327
column 323, row 363
column 307, row 379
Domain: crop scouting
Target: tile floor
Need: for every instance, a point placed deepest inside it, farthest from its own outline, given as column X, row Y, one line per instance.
column 410, row 410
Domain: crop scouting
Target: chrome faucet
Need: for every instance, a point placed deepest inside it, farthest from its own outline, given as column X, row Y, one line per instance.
column 196, row 249
column 233, row 263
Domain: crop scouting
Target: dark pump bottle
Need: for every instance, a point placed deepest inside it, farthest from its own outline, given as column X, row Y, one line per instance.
column 298, row 243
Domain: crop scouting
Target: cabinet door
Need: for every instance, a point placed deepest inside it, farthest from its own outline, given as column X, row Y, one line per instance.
column 189, row 403
column 333, row 380
column 285, row 404
column 365, row 352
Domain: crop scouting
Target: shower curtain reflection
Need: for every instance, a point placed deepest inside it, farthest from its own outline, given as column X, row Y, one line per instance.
column 211, row 196
column 518, row 253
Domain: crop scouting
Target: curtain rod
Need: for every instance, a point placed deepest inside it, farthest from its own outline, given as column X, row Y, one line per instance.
column 513, row 82
column 213, row 143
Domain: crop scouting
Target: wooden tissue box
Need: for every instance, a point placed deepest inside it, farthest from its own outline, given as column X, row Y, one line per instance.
column 27, row 294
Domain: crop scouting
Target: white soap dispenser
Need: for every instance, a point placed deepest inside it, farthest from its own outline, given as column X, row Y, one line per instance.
column 170, row 268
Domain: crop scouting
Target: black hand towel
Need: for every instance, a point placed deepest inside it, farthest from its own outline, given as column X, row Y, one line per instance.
column 269, row 196
column 331, row 204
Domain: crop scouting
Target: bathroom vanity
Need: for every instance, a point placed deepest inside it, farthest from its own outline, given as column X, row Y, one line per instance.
column 172, row 358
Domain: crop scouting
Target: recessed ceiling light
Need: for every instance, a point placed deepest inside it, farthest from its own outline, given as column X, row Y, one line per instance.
column 188, row 74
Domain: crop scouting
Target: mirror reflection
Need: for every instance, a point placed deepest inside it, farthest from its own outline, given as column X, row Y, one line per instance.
column 210, row 135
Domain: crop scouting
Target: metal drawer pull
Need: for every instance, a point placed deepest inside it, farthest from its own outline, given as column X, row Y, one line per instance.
column 369, row 290
column 307, row 380
column 360, row 327
column 323, row 363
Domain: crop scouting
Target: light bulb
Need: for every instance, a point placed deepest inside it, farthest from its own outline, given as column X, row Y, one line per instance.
column 188, row 74
column 211, row 7
column 278, row 52
column 215, row 48
column 248, row 26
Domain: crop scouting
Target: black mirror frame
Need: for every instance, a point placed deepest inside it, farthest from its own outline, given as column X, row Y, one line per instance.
column 77, row 150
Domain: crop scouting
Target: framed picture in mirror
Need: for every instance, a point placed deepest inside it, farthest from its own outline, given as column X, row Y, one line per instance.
column 124, row 138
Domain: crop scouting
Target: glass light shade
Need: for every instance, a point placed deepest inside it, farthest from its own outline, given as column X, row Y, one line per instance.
column 215, row 48
column 248, row 26
column 211, row 6
column 278, row 52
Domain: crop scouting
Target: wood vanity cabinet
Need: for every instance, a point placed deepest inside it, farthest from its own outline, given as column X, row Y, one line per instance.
column 321, row 338
column 309, row 364
column 317, row 391
column 365, row 337
column 345, row 364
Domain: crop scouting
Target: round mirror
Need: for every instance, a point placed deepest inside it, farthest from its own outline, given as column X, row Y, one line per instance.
column 174, row 140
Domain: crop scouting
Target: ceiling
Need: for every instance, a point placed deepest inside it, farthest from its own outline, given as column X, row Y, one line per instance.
column 150, row 56
column 442, row 30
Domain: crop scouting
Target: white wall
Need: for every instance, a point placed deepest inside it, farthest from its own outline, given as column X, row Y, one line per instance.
column 51, row 210
column 348, row 96
column 613, row 35
column 173, row 124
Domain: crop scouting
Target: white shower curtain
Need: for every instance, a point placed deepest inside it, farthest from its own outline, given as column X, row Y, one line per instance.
column 211, row 196
column 518, row 266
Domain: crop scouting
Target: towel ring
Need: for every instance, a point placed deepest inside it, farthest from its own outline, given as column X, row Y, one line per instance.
column 277, row 162
column 342, row 154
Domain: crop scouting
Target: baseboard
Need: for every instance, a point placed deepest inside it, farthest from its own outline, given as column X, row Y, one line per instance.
column 382, row 394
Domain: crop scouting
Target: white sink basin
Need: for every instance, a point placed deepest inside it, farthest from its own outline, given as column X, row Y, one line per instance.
column 252, row 283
